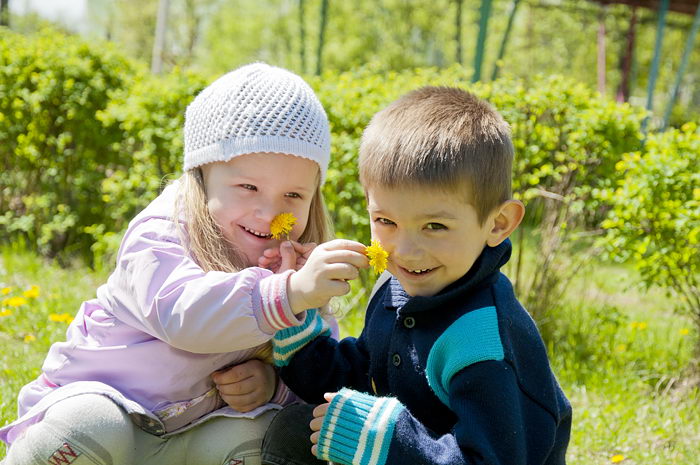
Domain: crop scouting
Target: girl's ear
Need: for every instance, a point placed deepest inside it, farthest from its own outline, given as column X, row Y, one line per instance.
column 504, row 220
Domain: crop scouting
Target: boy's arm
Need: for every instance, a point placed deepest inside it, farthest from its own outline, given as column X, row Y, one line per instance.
column 491, row 428
column 312, row 363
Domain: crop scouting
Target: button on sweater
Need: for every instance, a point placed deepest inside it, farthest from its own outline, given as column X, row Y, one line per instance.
column 461, row 377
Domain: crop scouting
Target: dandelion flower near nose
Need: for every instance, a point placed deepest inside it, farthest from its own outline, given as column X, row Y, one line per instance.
column 281, row 225
column 378, row 257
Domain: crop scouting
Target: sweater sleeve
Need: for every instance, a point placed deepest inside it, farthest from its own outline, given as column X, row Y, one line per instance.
column 309, row 352
column 490, row 427
column 158, row 288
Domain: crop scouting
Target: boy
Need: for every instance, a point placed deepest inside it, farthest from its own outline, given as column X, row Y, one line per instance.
column 449, row 368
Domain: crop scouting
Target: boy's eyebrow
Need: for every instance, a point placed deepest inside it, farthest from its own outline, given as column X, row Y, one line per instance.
column 442, row 214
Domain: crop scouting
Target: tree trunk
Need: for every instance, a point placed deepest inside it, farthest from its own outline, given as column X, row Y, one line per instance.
column 5, row 13
column 321, row 36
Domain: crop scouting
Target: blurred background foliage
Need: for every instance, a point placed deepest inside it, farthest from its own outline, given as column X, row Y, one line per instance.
column 90, row 135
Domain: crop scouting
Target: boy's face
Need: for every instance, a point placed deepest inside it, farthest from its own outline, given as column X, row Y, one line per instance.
column 433, row 237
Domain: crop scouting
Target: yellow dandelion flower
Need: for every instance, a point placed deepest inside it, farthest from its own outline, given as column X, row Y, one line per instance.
column 32, row 292
column 5, row 312
column 5, row 290
column 642, row 325
column 15, row 301
column 617, row 458
column 61, row 317
column 378, row 257
column 29, row 338
column 621, row 347
column 281, row 225
column 684, row 332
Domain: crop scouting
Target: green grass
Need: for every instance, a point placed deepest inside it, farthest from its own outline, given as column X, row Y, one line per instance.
column 622, row 355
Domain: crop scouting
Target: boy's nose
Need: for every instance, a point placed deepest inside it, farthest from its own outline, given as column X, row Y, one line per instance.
column 407, row 249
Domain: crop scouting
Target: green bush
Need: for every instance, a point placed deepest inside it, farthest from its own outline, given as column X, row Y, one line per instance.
column 149, row 116
column 55, row 152
column 655, row 219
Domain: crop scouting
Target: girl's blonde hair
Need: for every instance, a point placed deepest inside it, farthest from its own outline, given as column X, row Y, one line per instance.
column 204, row 239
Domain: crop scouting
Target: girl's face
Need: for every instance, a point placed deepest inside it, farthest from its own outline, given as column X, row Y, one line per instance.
column 245, row 193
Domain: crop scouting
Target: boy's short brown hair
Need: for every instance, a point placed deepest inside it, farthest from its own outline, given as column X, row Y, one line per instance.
column 440, row 137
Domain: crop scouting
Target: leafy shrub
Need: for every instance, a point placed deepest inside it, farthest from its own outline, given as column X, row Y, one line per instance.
column 655, row 215
column 55, row 152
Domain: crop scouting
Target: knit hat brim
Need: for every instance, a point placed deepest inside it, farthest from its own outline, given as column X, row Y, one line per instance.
column 225, row 150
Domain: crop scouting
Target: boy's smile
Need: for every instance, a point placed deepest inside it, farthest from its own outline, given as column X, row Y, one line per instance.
column 433, row 236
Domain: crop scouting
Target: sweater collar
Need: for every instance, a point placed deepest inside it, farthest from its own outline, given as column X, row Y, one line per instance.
column 483, row 272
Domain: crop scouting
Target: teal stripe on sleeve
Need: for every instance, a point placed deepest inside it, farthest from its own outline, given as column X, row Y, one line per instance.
column 473, row 338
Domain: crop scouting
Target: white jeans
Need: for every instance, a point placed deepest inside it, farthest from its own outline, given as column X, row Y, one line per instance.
column 90, row 429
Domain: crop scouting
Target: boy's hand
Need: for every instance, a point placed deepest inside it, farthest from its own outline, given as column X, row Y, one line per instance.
column 246, row 386
column 289, row 255
column 317, row 422
column 325, row 274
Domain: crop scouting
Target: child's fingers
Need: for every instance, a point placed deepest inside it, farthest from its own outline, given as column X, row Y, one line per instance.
column 341, row 271
column 344, row 244
column 359, row 260
column 289, row 256
column 320, row 411
column 314, row 439
column 314, row 450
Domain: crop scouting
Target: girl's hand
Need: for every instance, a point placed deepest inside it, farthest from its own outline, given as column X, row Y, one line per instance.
column 289, row 255
column 246, row 386
column 325, row 274
column 317, row 422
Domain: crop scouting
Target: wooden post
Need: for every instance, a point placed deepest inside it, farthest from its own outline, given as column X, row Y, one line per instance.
column 660, row 26
column 484, row 14
column 623, row 92
column 504, row 42
column 684, row 64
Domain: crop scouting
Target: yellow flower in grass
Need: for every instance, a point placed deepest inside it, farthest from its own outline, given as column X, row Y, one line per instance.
column 617, row 458
column 5, row 312
column 281, row 225
column 29, row 338
column 378, row 257
column 684, row 332
column 5, row 290
column 15, row 301
column 32, row 292
column 61, row 317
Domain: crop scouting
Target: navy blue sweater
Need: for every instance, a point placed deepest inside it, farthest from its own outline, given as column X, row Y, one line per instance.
column 458, row 378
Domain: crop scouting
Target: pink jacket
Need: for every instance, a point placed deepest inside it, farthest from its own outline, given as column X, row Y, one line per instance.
column 158, row 329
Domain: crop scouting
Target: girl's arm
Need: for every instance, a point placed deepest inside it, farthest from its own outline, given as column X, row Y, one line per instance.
column 158, row 288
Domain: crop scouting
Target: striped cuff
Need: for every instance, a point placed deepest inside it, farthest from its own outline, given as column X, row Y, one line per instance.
column 358, row 428
column 274, row 304
column 288, row 341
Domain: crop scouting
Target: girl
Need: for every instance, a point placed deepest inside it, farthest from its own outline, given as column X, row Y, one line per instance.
column 143, row 376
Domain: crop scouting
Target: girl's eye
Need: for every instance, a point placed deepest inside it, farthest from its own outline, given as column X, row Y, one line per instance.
column 293, row 195
column 435, row 226
column 384, row 221
column 249, row 187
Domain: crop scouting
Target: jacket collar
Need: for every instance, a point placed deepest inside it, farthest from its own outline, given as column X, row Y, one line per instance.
column 484, row 272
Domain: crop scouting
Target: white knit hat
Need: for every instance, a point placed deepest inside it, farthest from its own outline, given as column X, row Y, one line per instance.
column 256, row 108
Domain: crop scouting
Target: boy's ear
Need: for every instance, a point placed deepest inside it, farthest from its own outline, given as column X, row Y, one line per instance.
column 504, row 220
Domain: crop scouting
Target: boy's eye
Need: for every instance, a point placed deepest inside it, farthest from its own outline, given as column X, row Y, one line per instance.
column 249, row 187
column 435, row 226
column 385, row 221
column 293, row 195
